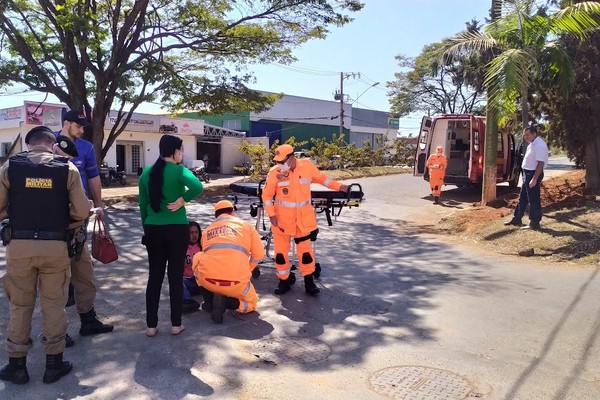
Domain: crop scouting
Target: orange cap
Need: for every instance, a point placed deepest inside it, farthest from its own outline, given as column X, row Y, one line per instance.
column 223, row 204
column 282, row 152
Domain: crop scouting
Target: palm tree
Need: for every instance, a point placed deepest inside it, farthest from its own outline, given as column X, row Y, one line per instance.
column 524, row 39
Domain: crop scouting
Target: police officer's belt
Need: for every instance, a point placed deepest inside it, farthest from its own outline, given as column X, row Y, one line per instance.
column 37, row 235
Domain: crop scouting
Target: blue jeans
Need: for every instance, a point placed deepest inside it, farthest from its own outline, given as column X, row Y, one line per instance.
column 190, row 288
column 530, row 196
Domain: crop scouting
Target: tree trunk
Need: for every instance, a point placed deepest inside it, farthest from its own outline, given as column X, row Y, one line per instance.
column 592, row 165
column 524, row 110
column 490, row 156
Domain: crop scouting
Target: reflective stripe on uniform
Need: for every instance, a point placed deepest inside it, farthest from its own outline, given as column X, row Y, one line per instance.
column 245, row 305
column 255, row 260
column 290, row 204
column 305, row 180
column 283, row 183
column 284, row 272
column 247, row 289
column 327, row 182
column 229, row 246
column 268, row 203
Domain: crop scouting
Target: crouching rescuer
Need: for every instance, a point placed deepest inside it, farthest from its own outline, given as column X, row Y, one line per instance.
column 231, row 249
column 287, row 200
column 40, row 193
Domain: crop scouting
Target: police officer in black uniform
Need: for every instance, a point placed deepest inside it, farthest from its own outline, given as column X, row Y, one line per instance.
column 41, row 194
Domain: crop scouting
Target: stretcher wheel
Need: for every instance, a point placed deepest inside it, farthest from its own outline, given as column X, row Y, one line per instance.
column 255, row 272
column 317, row 273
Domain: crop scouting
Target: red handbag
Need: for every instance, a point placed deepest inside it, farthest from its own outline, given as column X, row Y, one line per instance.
column 103, row 247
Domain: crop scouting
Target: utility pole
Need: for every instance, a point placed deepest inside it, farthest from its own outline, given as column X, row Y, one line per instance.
column 341, row 103
column 340, row 95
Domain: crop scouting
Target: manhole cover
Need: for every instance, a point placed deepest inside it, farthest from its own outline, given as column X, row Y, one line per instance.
column 420, row 383
column 291, row 350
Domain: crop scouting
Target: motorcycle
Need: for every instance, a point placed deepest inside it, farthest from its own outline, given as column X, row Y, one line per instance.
column 201, row 174
column 110, row 174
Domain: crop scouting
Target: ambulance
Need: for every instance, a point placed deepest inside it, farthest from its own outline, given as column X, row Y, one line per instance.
column 462, row 138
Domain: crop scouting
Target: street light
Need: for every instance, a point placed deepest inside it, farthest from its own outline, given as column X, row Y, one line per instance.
column 342, row 102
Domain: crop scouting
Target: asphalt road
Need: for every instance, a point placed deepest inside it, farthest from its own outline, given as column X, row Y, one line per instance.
column 400, row 315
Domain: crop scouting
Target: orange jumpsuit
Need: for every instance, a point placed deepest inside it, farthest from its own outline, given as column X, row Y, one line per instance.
column 231, row 249
column 287, row 195
column 437, row 169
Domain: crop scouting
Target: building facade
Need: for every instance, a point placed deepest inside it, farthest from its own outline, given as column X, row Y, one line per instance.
column 306, row 118
column 137, row 146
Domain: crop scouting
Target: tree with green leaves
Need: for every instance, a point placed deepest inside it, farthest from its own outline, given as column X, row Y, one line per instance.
column 425, row 84
column 574, row 122
column 98, row 55
column 524, row 36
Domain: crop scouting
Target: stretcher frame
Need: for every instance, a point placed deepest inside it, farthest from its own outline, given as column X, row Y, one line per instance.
column 330, row 202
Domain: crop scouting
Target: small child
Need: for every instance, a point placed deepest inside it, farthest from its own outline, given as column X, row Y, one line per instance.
column 190, row 286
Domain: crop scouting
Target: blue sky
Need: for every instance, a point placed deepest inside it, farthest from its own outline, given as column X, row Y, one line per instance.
column 368, row 45
column 382, row 30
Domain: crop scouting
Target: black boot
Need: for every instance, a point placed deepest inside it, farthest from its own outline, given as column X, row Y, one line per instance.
column 436, row 199
column 56, row 368
column 15, row 371
column 310, row 287
column 231, row 303
column 208, row 296
column 285, row 285
column 218, row 308
column 90, row 325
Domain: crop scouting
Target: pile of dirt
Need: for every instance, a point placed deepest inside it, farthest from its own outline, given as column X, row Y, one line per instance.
column 570, row 226
column 565, row 191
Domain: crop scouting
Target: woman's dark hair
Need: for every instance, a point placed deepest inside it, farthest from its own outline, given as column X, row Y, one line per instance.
column 167, row 146
column 197, row 225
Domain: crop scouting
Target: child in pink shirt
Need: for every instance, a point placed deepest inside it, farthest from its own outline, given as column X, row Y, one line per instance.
column 190, row 286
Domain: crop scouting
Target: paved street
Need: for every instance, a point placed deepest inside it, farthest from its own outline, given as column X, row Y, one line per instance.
column 400, row 315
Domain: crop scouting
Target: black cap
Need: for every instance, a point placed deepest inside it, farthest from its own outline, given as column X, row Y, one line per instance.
column 76, row 117
column 38, row 130
column 67, row 146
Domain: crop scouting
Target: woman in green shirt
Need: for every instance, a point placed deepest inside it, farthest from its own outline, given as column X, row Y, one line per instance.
column 164, row 189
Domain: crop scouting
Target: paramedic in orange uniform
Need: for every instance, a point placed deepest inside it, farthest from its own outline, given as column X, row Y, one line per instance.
column 437, row 169
column 231, row 248
column 287, row 200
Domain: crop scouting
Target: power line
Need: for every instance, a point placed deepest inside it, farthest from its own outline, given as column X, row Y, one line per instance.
column 305, row 70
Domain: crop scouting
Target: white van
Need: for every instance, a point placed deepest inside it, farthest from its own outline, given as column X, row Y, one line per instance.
column 462, row 138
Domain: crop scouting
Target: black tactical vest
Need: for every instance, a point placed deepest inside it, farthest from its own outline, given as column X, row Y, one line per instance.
column 38, row 197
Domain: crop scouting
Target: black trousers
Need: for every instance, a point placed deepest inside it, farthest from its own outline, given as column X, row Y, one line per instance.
column 166, row 246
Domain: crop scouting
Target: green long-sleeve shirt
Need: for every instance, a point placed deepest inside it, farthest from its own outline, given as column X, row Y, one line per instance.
column 178, row 182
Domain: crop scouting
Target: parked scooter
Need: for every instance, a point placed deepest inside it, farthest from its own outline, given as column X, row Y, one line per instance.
column 201, row 174
column 110, row 174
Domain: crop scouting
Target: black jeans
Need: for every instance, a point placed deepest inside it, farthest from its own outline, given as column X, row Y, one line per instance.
column 166, row 246
column 530, row 196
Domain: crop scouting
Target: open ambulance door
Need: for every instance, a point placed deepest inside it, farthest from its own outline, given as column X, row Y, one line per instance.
column 422, row 146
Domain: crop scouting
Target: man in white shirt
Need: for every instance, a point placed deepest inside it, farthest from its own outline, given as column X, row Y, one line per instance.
column 534, row 161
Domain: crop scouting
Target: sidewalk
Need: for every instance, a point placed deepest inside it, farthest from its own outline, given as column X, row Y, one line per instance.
column 116, row 192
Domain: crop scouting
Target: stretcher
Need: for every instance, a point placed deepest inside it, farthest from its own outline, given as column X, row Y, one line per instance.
column 329, row 202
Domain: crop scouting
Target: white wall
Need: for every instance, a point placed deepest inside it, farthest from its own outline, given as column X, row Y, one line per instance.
column 231, row 156
column 150, row 149
column 298, row 109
